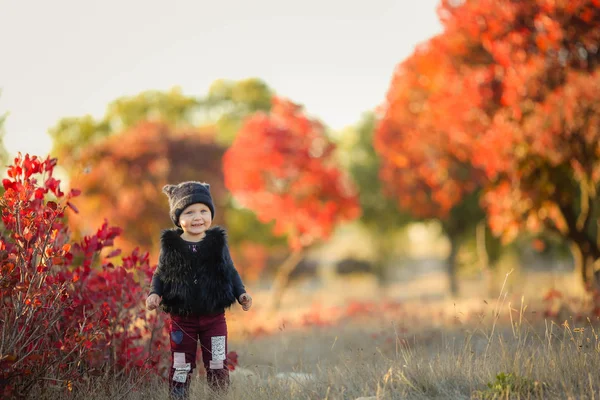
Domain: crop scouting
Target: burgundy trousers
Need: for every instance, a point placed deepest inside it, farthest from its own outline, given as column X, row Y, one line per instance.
column 185, row 332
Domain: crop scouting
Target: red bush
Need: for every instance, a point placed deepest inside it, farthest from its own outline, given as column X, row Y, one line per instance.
column 67, row 310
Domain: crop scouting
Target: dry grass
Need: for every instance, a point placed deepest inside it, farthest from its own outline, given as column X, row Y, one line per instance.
column 500, row 351
column 558, row 362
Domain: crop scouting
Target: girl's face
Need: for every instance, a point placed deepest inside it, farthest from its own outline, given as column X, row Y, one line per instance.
column 195, row 220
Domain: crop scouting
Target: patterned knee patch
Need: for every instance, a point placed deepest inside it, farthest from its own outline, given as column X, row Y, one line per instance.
column 182, row 369
column 218, row 352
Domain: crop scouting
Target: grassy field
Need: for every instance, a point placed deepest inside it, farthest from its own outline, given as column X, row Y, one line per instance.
column 367, row 346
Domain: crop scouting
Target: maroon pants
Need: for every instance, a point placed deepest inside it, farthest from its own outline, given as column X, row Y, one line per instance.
column 185, row 332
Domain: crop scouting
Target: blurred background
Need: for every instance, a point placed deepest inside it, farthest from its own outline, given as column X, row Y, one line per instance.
column 408, row 151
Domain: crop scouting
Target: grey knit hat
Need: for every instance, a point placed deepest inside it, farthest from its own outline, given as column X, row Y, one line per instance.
column 185, row 194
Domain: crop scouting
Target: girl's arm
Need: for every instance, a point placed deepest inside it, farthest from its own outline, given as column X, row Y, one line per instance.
column 157, row 285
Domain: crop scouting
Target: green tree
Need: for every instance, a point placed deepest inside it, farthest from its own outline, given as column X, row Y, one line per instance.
column 172, row 107
column 229, row 102
column 73, row 134
column 380, row 214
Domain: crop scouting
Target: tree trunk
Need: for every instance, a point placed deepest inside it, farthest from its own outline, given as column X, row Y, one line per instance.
column 451, row 265
column 584, row 247
column 385, row 246
column 484, row 260
column 282, row 277
column 585, row 261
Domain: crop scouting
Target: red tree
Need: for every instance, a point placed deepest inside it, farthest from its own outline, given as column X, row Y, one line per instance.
column 281, row 166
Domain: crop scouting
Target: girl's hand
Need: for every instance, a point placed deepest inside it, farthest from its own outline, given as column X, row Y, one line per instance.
column 153, row 301
column 246, row 301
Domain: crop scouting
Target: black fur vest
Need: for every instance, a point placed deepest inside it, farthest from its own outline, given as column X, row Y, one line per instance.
column 196, row 283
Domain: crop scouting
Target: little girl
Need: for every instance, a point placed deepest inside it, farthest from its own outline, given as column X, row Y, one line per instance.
column 195, row 282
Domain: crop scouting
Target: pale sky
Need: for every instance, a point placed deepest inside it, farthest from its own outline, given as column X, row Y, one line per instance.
column 62, row 58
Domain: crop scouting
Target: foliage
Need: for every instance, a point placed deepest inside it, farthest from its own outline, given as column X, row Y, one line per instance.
column 381, row 215
column 127, row 170
column 67, row 309
column 281, row 166
column 72, row 135
column 541, row 146
column 225, row 106
column 510, row 384
column 425, row 163
column 92, row 149
column 230, row 102
column 171, row 107
column 507, row 89
column 379, row 212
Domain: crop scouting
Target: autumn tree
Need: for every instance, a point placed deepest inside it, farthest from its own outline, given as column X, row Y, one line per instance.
column 541, row 148
column 282, row 167
column 425, row 165
column 520, row 80
column 72, row 135
column 125, row 174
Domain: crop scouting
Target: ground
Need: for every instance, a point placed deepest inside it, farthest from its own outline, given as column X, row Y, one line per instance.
column 409, row 341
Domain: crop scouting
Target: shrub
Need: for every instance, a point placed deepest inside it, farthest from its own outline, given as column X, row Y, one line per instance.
column 68, row 310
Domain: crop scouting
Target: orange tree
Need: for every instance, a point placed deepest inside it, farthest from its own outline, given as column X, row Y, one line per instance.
column 425, row 162
column 281, row 166
column 518, row 80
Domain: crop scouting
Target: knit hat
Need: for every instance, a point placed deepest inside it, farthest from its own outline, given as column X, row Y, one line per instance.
column 185, row 194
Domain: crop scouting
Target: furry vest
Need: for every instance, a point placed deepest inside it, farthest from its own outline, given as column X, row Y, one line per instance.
column 196, row 283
